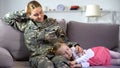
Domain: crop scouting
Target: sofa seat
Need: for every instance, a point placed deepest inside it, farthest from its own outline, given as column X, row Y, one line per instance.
column 21, row 64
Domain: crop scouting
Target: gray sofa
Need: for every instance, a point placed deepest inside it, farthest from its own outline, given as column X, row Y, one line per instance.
column 14, row 54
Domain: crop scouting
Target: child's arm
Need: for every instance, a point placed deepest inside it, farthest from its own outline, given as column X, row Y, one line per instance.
column 84, row 58
column 85, row 64
column 76, row 54
column 79, row 50
column 74, row 64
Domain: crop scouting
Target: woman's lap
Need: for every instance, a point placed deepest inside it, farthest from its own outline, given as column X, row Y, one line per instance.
column 41, row 62
column 60, row 62
column 44, row 62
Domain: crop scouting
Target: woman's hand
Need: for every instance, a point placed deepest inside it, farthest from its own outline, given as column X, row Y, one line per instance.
column 73, row 64
column 20, row 16
column 79, row 50
column 76, row 66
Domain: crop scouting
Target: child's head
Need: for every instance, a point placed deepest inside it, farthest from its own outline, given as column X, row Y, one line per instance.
column 62, row 49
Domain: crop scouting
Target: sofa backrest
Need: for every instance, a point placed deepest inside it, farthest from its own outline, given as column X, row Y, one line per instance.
column 63, row 24
column 13, row 40
column 90, row 35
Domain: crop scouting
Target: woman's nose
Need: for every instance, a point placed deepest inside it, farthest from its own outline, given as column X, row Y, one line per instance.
column 39, row 16
column 68, row 52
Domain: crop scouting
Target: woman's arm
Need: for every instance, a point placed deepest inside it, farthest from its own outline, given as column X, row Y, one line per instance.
column 16, row 19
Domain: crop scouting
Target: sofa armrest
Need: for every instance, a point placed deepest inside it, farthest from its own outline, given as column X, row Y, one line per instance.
column 6, row 59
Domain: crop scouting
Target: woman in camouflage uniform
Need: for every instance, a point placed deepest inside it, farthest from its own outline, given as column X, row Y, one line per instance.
column 39, row 33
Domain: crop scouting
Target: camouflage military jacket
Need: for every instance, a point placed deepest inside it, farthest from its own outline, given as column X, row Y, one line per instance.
column 39, row 36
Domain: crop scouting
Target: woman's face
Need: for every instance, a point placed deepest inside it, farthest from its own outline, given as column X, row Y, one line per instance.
column 37, row 14
column 65, row 51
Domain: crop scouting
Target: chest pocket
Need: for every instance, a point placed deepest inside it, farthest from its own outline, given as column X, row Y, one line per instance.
column 38, row 34
column 51, row 34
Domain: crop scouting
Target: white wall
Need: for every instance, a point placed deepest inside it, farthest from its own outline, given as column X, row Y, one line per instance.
column 14, row 5
column 105, row 4
column 11, row 5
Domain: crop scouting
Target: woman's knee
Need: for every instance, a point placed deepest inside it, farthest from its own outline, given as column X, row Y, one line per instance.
column 60, row 62
column 41, row 62
column 45, row 63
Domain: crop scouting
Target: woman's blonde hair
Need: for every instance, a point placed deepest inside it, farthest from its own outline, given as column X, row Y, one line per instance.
column 32, row 5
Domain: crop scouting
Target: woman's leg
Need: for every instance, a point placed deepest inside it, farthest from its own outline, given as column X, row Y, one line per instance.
column 115, row 58
column 60, row 62
column 41, row 62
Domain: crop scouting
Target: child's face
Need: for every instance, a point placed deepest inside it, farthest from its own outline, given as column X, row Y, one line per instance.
column 65, row 51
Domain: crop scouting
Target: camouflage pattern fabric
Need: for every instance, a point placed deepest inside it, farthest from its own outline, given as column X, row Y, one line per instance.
column 44, row 62
column 60, row 62
column 40, row 62
column 39, row 37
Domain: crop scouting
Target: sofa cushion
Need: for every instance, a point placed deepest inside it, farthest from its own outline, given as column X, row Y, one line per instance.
column 21, row 64
column 13, row 41
column 6, row 59
column 63, row 24
column 90, row 35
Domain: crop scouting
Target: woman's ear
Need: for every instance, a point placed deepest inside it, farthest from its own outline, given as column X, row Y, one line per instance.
column 45, row 17
column 26, row 9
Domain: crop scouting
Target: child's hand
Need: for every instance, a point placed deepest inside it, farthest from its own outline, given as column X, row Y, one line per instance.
column 76, row 66
column 79, row 50
column 73, row 62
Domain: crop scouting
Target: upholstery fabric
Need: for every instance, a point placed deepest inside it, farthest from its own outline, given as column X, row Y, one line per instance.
column 63, row 24
column 13, row 41
column 5, row 58
column 90, row 35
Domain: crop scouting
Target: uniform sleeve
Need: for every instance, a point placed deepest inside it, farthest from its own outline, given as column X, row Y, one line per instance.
column 31, row 40
column 16, row 19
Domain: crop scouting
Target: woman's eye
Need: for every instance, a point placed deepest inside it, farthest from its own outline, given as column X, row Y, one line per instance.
column 40, row 12
column 36, row 14
column 63, row 54
column 67, row 49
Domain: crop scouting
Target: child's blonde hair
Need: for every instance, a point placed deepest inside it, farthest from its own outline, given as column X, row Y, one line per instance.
column 56, row 46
